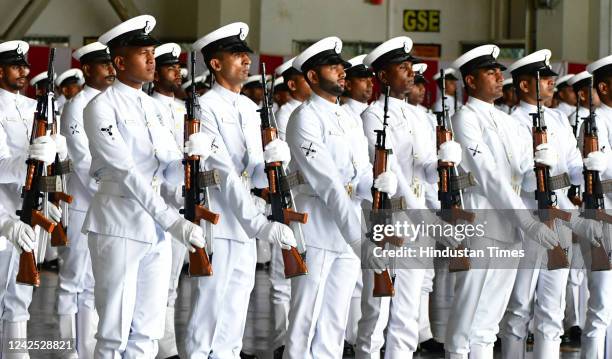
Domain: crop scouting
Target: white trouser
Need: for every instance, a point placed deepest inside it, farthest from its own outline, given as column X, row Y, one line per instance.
column 319, row 305
column 281, row 296
column 424, row 322
column 441, row 298
column 354, row 313
column 481, row 296
column 219, row 303
column 131, row 289
column 167, row 344
column 14, row 298
column 76, row 282
column 399, row 314
column 541, row 290
column 178, row 259
column 576, row 295
column 599, row 307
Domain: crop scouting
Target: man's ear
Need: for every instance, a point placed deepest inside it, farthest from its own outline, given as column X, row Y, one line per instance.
column 86, row 70
column 119, row 63
column 523, row 86
column 348, row 85
column 470, row 82
column 602, row 88
column 215, row 64
column 156, row 75
column 382, row 77
column 312, row 76
column 292, row 85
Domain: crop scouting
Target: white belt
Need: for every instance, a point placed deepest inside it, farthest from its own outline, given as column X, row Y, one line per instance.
column 114, row 188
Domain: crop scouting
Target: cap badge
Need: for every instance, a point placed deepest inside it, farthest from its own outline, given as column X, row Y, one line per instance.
column 406, row 47
column 18, row 50
column 338, row 47
column 241, row 35
column 175, row 52
column 147, row 28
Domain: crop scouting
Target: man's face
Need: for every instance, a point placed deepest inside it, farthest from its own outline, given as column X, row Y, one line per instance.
column 256, row 94
column 416, row 95
column 360, row 88
column 281, row 97
column 232, row 66
column 510, row 96
column 568, row 95
column 331, row 79
column 451, row 86
column 70, row 90
column 137, row 63
column 100, row 74
column 486, row 84
column 399, row 77
column 168, row 77
column 14, row 77
column 299, row 86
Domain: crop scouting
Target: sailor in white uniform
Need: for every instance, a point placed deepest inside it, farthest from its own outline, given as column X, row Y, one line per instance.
column 498, row 161
column 298, row 89
column 537, row 289
column 132, row 154
column 567, row 96
column 219, row 303
column 16, row 118
column 75, row 297
column 450, row 82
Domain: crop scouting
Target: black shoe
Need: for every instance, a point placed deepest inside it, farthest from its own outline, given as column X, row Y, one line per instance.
column 348, row 351
column 52, row 265
column 243, row 355
column 530, row 340
column 497, row 346
column 278, row 352
column 570, row 340
column 432, row 346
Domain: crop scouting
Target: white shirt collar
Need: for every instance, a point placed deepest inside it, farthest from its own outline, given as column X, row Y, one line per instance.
column 128, row 90
column 87, row 90
column 8, row 95
column 359, row 106
column 480, row 104
column 230, row 96
column 159, row 96
column 320, row 101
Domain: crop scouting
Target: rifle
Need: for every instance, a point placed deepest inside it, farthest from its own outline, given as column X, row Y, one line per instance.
column 58, row 168
column 279, row 193
column 544, row 194
column 592, row 197
column 383, row 282
column 196, row 186
column 449, row 185
column 34, row 211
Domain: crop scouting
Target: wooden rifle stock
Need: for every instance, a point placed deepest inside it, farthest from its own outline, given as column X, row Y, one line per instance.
column 282, row 210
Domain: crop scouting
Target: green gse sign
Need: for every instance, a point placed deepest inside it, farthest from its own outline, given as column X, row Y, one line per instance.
column 422, row 20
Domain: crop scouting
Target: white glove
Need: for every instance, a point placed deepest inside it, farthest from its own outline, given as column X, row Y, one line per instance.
column 539, row 232
column 260, row 204
column 277, row 151
column 386, row 182
column 450, row 151
column 188, row 233
column 60, row 146
column 375, row 263
column 596, row 161
column 20, row 234
column 199, row 144
column 450, row 242
column 546, row 155
column 587, row 229
column 55, row 213
column 277, row 233
column 43, row 149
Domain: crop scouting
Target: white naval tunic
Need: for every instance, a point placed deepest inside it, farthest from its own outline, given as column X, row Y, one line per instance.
column 16, row 115
column 282, row 116
column 566, row 108
column 132, row 153
column 219, row 303
column 329, row 148
column 450, row 104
